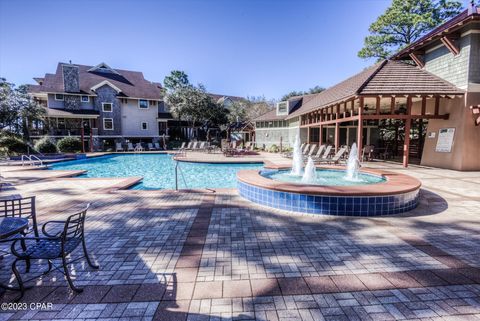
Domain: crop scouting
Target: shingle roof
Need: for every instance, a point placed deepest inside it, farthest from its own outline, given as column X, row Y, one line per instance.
column 270, row 115
column 387, row 77
column 53, row 112
column 131, row 83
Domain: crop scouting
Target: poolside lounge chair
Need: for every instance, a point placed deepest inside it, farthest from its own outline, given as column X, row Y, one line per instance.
column 201, row 146
column 183, row 146
column 319, row 152
column 325, row 155
column 336, row 158
column 130, row 147
column 313, row 148
column 189, row 146
column 151, row 147
column 157, row 146
column 139, row 147
column 119, row 148
column 305, row 149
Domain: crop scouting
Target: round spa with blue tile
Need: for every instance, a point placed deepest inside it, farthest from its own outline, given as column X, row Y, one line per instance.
column 372, row 193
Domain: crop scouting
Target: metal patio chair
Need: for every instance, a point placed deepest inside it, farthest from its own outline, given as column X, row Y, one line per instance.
column 53, row 246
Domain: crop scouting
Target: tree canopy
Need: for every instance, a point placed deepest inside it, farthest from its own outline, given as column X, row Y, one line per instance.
column 314, row 90
column 18, row 109
column 403, row 23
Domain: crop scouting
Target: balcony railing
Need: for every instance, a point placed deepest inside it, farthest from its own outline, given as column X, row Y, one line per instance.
column 61, row 132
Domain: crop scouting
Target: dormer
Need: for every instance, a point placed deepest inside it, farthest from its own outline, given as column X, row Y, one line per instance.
column 284, row 108
column 103, row 68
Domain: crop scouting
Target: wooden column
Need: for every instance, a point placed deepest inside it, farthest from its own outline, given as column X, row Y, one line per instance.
column 437, row 105
column 377, row 106
column 360, row 128
column 337, row 129
column 320, row 136
column 408, row 125
column 308, row 135
column 392, row 106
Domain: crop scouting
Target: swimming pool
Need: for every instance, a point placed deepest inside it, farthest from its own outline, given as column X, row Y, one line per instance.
column 158, row 171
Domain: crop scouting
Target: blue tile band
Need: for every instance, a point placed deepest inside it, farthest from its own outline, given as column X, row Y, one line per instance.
column 331, row 205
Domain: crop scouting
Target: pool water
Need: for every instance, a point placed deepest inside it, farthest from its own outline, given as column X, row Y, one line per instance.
column 326, row 177
column 158, row 171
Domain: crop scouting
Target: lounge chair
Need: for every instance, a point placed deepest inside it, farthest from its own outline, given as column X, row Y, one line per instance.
column 313, row 148
column 336, row 158
column 139, row 147
column 319, row 152
column 150, row 146
column 184, row 144
column 130, row 147
column 305, row 149
column 119, row 148
column 201, row 146
column 189, row 146
column 325, row 155
column 157, row 146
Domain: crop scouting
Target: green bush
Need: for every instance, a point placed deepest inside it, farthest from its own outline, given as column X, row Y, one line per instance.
column 69, row 145
column 46, row 146
column 13, row 145
column 274, row 149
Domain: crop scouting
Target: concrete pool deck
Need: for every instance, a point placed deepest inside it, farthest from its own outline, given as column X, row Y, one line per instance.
column 211, row 255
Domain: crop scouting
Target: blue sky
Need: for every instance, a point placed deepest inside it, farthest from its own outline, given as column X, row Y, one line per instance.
column 249, row 47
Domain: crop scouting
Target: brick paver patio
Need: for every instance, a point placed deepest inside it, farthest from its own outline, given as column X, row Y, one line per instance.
column 204, row 255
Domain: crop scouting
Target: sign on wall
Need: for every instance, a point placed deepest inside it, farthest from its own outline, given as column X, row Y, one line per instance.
column 445, row 140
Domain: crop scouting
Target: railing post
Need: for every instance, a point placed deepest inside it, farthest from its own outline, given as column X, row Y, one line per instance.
column 176, row 175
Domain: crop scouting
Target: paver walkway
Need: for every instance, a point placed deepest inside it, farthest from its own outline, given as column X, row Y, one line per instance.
column 213, row 256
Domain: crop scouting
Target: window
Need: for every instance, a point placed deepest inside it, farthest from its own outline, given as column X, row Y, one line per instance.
column 85, row 99
column 108, row 123
column 152, row 102
column 107, row 107
column 144, row 125
column 282, row 107
column 59, row 97
column 142, row 103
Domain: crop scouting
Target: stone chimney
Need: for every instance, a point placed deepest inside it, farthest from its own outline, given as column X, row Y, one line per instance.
column 71, row 81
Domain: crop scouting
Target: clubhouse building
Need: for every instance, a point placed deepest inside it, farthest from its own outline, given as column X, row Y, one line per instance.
column 429, row 90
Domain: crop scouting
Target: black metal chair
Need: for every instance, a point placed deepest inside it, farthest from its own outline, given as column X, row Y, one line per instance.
column 24, row 208
column 53, row 246
column 20, row 207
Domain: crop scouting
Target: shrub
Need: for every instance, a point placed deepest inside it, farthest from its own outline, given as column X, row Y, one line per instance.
column 69, row 145
column 273, row 149
column 46, row 146
column 13, row 145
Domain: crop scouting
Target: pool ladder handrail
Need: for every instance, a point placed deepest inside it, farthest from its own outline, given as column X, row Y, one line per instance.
column 31, row 160
column 176, row 176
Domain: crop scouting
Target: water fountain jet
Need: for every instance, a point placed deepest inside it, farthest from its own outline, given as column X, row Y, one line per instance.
column 297, row 162
column 310, row 174
column 353, row 164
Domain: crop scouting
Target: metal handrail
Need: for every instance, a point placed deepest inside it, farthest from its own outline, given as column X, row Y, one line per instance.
column 176, row 176
column 32, row 159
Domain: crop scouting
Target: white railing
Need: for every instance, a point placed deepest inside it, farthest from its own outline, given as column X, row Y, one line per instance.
column 31, row 160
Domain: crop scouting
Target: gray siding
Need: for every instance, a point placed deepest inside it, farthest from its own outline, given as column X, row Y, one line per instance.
column 442, row 63
column 52, row 103
column 474, row 67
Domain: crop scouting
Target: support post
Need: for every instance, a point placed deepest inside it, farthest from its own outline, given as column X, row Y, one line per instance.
column 406, row 142
column 308, row 135
column 82, row 138
column 437, row 105
column 360, row 127
column 377, row 106
column 337, row 129
column 320, row 136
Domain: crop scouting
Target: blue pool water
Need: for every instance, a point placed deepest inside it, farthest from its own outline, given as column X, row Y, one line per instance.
column 326, row 177
column 158, row 171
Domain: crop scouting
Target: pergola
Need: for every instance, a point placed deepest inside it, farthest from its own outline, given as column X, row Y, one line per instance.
column 388, row 90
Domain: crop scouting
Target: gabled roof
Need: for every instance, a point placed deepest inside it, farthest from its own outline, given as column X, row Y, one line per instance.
column 450, row 26
column 299, row 102
column 219, row 99
column 389, row 77
column 131, row 83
